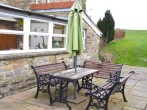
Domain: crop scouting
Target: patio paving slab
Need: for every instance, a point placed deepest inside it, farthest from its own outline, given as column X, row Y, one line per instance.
column 135, row 103
column 114, row 106
column 130, row 108
column 132, row 82
column 11, row 104
column 141, row 85
column 22, row 96
column 138, row 93
column 32, row 107
column 134, row 97
column 117, row 96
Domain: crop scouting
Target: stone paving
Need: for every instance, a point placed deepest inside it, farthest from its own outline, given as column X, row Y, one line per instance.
column 136, row 94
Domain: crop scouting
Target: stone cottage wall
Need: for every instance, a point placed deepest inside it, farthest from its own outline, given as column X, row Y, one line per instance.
column 15, row 69
column 16, row 74
column 92, row 44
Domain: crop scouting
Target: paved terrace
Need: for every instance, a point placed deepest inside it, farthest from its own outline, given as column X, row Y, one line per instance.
column 136, row 94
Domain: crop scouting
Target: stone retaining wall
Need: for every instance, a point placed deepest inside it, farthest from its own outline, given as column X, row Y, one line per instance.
column 119, row 34
column 16, row 74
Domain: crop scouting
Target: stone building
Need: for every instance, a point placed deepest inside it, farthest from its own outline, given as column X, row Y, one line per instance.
column 25, row 4
column 28, row 38
column 82, row 2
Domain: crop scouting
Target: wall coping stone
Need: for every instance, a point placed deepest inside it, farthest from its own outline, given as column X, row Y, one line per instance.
column 31, row 54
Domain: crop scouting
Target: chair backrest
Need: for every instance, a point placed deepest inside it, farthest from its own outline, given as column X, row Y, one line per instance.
column 49, row 68
column 104, row 68
column 92, row 64
column 110, row 67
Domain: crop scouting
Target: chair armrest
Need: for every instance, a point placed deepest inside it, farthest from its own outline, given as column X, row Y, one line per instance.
column 97, row 91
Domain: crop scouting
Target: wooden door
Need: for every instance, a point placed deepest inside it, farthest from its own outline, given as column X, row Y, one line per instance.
column 7, row 41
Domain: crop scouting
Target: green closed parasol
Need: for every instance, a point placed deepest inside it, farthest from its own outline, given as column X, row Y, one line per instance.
column 75, row 38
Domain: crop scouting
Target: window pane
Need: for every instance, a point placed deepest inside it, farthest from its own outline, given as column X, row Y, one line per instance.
column 84, row 43
column 83, row 33
column 59, row 29
column 11, row 23
column 11, row 42
column 38, row 42
column 58, row 42
column 84, row 38
column 37, row 26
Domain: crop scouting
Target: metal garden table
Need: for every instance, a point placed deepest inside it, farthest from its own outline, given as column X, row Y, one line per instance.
column 64, row 77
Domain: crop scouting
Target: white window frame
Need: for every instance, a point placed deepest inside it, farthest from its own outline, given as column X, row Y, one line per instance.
column 84, row 38
column 26, row 32
column 16, row 32
column 40, row 34
column 12, row 31
column 60, row 35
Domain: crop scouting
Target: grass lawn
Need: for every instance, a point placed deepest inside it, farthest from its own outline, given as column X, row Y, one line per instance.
column 132, row 50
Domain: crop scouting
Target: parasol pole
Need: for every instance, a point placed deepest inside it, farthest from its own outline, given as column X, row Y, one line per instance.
column 75, row 57
column 75, row 63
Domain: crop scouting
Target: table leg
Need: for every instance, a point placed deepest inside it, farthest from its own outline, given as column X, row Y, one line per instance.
column 75, row 84
column 74, row 99
column 86, row 82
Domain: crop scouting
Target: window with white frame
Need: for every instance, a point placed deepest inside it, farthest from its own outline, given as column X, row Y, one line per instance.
column 84, row 38
column 11, row 32
column 22, row 34
column 39, row 34
column 59, row 35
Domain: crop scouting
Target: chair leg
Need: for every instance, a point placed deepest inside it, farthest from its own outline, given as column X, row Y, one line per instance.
column 89, row 104
column 49, row 93
column 36, row 95
column 123, row 93
column 106, row 106
column 101, row 103
column 79, row 88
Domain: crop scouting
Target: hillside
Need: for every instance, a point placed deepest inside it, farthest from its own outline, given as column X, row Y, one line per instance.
column 132, row 50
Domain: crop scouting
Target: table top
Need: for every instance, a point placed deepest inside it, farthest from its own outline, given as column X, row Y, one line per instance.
column 70, row 74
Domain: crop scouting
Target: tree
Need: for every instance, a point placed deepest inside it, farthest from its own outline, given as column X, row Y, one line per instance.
column 107, row 27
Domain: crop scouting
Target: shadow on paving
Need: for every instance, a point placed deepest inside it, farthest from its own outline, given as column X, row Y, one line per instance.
column 135, row 91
